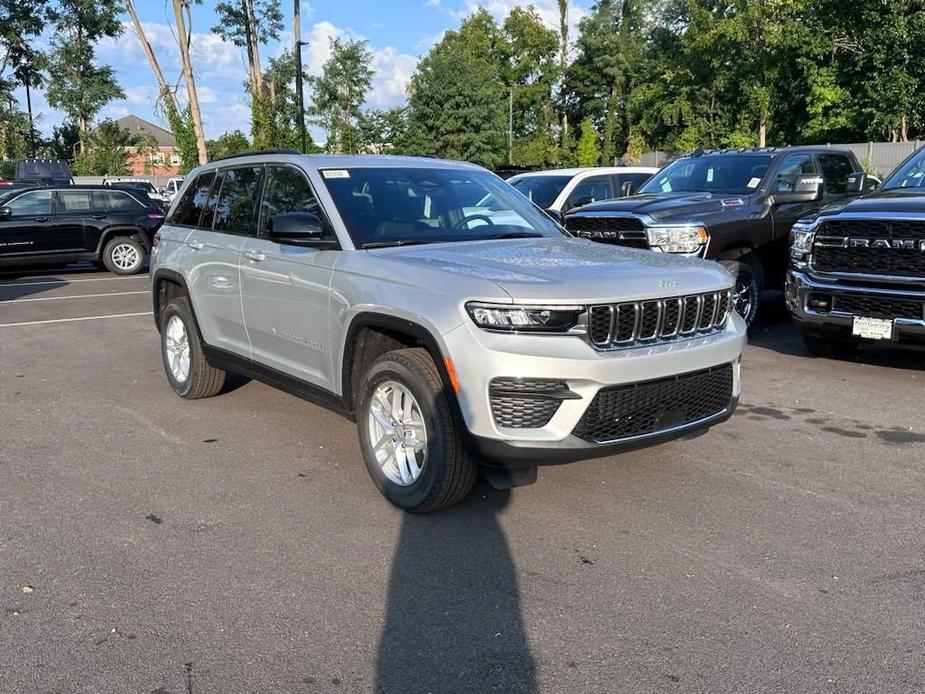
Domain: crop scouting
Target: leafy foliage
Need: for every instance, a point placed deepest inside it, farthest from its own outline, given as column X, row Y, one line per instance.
column 339, row 93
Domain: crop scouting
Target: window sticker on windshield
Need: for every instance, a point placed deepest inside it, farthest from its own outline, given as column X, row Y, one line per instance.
column 754, row 182
column 335, row 173
column 710, row 175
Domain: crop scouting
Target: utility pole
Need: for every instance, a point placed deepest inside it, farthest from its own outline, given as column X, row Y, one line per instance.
column 297, row 29
column 510, row 129
column 29, row 109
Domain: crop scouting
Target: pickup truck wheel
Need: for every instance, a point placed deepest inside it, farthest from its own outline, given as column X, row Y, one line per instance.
column 188, row 372
column 408, row 434
column 123, row 256
column 827, row 347
column 746, row 294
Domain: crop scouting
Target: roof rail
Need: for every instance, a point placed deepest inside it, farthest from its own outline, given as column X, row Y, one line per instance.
column 256, row 152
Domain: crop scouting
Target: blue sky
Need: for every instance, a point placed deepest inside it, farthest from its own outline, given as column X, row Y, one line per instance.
column 398, row 31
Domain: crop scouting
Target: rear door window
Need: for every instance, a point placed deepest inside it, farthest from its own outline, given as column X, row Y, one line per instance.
column 835, row 171
column 234, row 207
column 591, row 190
column 72, row 202
column 34, row 204
column 189, row 209
column 793, row 167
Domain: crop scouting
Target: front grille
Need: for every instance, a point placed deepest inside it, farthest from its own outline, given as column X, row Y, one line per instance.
column 899, row 262
column 522, row 403
column 621, row 231
column 879, row 307
column 639, row 409
column 645, row 322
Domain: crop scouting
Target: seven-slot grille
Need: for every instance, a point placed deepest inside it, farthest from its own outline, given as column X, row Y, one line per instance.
column 899, row 262
column 640, row 409
column 621, row 231
column 640, row 322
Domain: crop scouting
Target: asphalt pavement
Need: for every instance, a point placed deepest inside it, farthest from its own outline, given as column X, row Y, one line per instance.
column 154, row 545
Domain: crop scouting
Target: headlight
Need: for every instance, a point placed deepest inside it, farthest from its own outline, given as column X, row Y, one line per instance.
column 801, row 239
column 686, row 238
column 546, row 319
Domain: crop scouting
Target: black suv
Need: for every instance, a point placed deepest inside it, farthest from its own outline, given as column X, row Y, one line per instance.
column 734, row 206
column 70, row 223
column 858, row 268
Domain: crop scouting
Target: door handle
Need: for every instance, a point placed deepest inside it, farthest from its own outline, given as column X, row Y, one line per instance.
column 254, row 256
column 98, row 216
column 42, row 219
column 195, row 245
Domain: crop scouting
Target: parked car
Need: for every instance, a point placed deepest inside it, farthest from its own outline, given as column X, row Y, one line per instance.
column 43, row 172
column 141, row 184
column 450, row 338
column 858, row 268
column 559, row 190
column 170, row 189
column 734, row 206
column 66, row 224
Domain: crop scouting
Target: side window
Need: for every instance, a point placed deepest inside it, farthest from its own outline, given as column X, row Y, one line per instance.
column 115, row 200
column 32, row 204
column 74, row 201
column 287, row 190
column 792, row 168
column 835, row 171
column 636, row 179
column 591, row 190
column 188, row 210
column 234, row 209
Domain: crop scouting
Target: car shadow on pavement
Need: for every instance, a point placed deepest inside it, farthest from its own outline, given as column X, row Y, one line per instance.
column 775, row 330
column 453, row 621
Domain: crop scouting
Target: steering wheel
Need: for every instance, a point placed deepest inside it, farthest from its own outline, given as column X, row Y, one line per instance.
column 466, row 220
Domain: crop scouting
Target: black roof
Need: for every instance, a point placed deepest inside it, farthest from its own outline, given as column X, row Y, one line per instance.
column 773, row 151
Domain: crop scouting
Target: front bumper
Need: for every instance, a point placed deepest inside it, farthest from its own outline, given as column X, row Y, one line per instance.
column 801, row 285
column 480, row 357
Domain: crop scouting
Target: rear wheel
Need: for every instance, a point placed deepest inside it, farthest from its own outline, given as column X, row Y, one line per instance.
column 830, row 347
column 124, row 256
column 188, row 372
column 408, row 435
column 746, row 294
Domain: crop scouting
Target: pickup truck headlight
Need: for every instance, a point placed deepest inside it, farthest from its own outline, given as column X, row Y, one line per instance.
column 801, row 241
column 685, row 238
column 512, row 318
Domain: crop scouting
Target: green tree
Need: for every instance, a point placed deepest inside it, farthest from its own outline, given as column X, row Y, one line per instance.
column 77, row 85
column 458, row 102
column 588, row 153
column 233, row 142
column 105, row 151
column 340, row 91
column 384, row 131
column 282, row 118
column 21, row 21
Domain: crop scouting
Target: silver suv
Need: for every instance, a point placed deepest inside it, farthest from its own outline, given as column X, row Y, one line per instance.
column 454, row 320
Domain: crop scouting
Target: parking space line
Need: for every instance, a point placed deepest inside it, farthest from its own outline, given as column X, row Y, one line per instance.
column 82, row 279
column 64, row 298
column 72, row 320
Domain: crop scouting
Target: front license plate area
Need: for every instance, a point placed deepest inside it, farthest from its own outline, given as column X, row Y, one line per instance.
column 872, row 328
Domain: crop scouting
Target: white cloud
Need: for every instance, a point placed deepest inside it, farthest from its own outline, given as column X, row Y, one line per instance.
column 393, row 72
column 548, row 10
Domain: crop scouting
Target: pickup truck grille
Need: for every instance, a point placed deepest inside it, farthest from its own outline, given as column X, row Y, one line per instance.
column 633, row 323
column 873, row 259
column 879, row 307
column 639, row 409
column 619, row 231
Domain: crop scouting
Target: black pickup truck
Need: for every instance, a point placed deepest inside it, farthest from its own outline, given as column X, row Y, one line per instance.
column 858, row 268
column 734, row 206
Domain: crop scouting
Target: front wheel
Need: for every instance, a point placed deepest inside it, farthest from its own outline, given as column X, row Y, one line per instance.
column 188, row 372
column 408, row 434
column 746, row 294
column 124, row 256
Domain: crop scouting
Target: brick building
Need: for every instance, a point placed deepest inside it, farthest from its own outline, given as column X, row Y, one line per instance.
column 163, row 161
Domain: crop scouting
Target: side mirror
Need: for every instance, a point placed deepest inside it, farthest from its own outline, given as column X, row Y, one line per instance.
column 808, row 188
column 5, row 213
column 583, row 200
column 627, row 189
column 557, row 215
column 857, row 183
column 298, row 229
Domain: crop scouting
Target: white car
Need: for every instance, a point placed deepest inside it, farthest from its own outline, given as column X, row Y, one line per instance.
column 173, row 185
column 559, row 190
column 140, row 184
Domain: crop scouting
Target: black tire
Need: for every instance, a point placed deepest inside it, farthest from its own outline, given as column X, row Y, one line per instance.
column 448, row 472
column 116, row 264
column 203, row 380
column 748, row 287
column 830, row 347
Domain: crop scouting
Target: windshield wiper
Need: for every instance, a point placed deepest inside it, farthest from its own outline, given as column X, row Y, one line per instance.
column 511, row 235
column 397, row 242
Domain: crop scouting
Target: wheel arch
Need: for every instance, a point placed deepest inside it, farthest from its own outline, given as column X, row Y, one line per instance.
column 162, row 293
column 131, row 232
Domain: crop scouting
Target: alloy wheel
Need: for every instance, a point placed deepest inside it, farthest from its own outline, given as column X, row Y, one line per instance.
column 397, row 434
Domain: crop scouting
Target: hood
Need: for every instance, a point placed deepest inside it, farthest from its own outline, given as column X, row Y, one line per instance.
column 563, row 270
column 884, row 202
column 676, row 207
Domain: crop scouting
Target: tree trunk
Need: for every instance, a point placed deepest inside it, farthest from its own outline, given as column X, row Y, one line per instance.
column 163, row 88
column 183, row 37
column 563, row 63
column 253, row 50
column 762, row 132
column 904, row 130
column 608, row 151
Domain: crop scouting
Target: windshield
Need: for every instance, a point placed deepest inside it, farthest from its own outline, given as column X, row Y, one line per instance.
column 392, row 206
column 909, row 174
column 737, row 174
column 543, row 190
